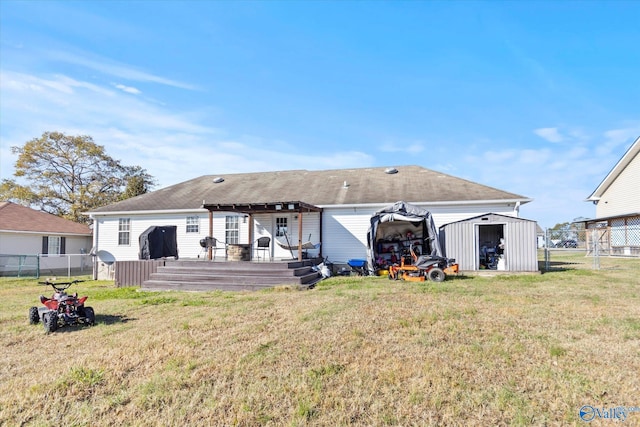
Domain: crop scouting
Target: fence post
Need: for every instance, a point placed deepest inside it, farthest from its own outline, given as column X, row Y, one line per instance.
column 546, row 249
column 596, row 252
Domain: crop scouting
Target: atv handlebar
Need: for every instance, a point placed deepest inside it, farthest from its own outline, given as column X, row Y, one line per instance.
column 60, row 286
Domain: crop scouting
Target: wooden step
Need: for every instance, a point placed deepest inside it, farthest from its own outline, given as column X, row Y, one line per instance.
column 231, row 275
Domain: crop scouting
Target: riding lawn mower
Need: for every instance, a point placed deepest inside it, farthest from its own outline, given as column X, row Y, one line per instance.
column 423, row 267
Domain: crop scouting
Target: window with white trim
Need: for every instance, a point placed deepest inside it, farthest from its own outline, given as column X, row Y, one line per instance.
column 232, row 229
column 193, row 224
column 124, row 231
column 281, row 226
column 54, row 245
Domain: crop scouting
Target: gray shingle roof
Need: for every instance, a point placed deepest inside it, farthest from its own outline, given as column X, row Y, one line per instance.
column 320, row 188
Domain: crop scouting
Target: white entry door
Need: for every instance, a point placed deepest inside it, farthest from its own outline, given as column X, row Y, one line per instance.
column 282, row 225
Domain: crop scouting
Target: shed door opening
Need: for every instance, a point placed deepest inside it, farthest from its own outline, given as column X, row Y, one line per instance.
column 491, row 247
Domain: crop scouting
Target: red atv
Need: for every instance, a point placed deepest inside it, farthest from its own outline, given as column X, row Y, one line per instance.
column 61, row 309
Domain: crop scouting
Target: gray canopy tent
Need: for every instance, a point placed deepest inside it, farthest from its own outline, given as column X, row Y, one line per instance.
column 395, row 229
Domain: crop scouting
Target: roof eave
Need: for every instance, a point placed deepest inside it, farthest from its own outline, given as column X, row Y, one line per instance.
column 94, row 214
column 633, row 150
column 49, row 233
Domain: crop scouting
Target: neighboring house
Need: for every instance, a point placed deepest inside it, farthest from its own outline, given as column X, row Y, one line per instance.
column 616, row 227
column 28, row 233
column 331, row 207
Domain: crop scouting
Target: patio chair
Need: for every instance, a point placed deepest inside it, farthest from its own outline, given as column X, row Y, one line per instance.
column 212, row 242
column 263, row 244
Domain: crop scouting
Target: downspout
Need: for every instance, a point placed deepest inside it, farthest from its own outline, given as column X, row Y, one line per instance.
column 250, row 238
column 94, row 250
column 321, row 237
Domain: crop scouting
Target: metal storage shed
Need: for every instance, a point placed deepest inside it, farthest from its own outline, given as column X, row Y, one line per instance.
column 491, row 242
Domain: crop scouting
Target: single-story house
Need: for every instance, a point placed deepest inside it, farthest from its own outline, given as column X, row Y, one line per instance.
column 616, row 228
column 329, row 208
column 29, row 237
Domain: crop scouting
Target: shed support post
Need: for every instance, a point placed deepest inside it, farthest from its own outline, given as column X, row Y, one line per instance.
column 210, row 249
column 300, row 236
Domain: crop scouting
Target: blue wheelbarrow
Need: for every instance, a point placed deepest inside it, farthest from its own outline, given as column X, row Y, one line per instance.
column 359, row 266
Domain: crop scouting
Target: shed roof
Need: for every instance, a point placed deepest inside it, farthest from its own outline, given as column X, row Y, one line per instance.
column 319, row 188
column 18, row 218
column 490, row 216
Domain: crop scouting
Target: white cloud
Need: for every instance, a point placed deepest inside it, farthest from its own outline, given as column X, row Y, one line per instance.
column 127, row 89
column 173, row 146
column 549, row 134
column 113, row 68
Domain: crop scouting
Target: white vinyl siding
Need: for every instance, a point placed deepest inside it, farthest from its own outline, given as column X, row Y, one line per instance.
column 21, row 243
column 623, row 195
column 188, row 243
column 344, row 229
column 265, row 225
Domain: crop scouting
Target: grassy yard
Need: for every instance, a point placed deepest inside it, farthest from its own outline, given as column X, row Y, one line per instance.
column 507, row 350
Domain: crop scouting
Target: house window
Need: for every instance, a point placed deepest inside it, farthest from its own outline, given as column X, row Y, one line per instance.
column 281, row 226
column 193, row 224
column 124, row 229
column 53, row 245
column 232, row 229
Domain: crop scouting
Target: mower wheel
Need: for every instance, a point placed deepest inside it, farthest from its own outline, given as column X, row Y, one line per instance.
column 50, row 321
column 436, row 275
column 34, row 316
column 90, row 317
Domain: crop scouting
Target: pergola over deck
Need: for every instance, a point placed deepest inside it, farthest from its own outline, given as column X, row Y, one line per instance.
column 259, row 208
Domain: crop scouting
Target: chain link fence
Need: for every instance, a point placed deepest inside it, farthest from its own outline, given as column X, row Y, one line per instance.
column 610, row 237
column 562, row 239
column 45, row 265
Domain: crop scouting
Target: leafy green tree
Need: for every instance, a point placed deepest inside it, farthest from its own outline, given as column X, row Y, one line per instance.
column 68, row 175
column 137, row 184
column 559, row 231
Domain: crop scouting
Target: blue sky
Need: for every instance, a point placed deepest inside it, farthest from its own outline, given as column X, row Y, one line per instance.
column 536, row 98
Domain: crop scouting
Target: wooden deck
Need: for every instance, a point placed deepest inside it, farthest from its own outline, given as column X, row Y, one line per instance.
column 199, row 275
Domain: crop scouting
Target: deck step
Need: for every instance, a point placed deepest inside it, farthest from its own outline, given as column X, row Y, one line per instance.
column 231, row 275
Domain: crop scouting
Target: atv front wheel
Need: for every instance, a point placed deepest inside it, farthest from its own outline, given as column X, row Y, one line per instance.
column 436, row 275
column 50, row 321
column 89, row 316
column 34, row 316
